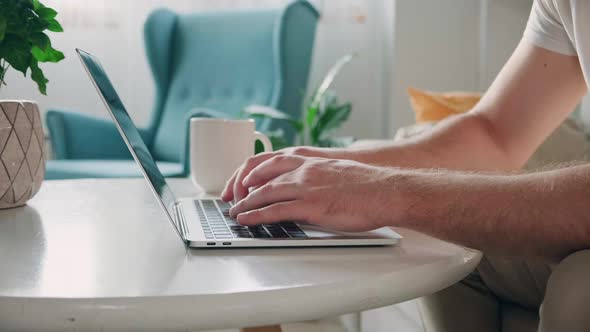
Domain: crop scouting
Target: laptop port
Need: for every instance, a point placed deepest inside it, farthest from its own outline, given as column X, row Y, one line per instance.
column 210, row 243
column 227, row 243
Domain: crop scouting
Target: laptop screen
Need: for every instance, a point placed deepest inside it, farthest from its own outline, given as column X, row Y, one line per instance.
column 131, row 135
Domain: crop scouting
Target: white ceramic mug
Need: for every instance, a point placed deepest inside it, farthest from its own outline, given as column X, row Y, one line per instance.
column 218, row 147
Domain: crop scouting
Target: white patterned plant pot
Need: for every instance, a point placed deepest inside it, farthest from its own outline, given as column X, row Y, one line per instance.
column 22, row 158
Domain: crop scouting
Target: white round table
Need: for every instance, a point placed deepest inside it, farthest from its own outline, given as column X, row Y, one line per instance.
column 100, row 255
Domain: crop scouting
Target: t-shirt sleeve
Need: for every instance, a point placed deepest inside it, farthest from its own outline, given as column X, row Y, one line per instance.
column 545, row 29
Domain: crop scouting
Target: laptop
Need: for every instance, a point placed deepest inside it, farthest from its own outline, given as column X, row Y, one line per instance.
column 205, row 222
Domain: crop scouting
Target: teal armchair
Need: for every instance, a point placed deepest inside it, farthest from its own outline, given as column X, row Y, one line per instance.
column 210, row 64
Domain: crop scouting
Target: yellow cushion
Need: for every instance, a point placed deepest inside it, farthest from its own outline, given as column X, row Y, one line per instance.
column 431, row 107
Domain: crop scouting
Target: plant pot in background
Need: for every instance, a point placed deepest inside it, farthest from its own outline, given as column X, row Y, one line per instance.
column 22, row 158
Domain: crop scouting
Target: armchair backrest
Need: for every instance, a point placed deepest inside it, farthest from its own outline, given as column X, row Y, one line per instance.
column 225, row 61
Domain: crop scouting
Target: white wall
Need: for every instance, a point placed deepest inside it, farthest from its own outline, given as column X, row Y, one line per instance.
column 437, row 47
column 354, row 26
column 506, row 20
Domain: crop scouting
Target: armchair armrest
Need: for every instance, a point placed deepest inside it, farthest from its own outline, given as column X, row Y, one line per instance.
column 79, row 136
column 195, row 113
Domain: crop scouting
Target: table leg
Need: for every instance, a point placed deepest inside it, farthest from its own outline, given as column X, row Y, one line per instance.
column 274, row 328
column 352, row 322
column 358, row 321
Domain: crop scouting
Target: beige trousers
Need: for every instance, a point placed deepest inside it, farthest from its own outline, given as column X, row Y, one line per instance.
column 509, row 295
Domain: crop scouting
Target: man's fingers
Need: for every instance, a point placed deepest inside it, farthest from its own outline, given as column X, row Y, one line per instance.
column 228, row 192
column 268, row 194
column 283, row 211
column 239, row 191
column 270, row 169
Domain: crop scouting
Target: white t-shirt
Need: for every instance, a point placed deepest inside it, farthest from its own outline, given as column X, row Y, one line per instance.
column 562, row 26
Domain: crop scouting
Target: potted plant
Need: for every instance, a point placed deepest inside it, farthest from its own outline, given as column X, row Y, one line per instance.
column 23, row 45
column 322, row 114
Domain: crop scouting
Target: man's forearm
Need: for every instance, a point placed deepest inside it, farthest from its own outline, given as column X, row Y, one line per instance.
column 534, row 92
column 541, row 214
column 463, row 142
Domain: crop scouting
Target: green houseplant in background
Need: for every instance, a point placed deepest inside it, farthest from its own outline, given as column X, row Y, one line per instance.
column 23, row 42
column 322, row 115
column 23, row 45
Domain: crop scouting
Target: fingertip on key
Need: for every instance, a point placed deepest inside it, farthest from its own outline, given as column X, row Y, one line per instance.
column 232, row 212
column 242, row 218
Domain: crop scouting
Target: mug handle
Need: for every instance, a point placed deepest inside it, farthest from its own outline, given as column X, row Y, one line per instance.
column 265, row 141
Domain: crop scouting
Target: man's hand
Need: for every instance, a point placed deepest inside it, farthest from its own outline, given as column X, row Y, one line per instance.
column 339, row 194
column 532, row 215
column 234, row 190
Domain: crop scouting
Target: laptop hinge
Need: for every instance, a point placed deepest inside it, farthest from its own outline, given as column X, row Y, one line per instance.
column 180, row 220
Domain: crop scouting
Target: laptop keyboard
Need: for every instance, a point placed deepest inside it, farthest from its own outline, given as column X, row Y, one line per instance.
column 217, row 224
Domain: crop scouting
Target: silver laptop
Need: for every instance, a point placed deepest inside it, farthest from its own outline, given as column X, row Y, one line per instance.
column 205, row 223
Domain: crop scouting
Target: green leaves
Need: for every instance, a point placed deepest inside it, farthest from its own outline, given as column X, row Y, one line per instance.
column 49, row 55
column 322, row 116
column 45, row 13
column 38, row 76
column 3, row 26
column 312, row 113
column 321, row 91
column 2, row 73
column 277, row 139
column 40, row 40
column 323, row 113
column 333, row 116
column 265, row 112
column 16, row 51
column 23, row 43
column 54, row 26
